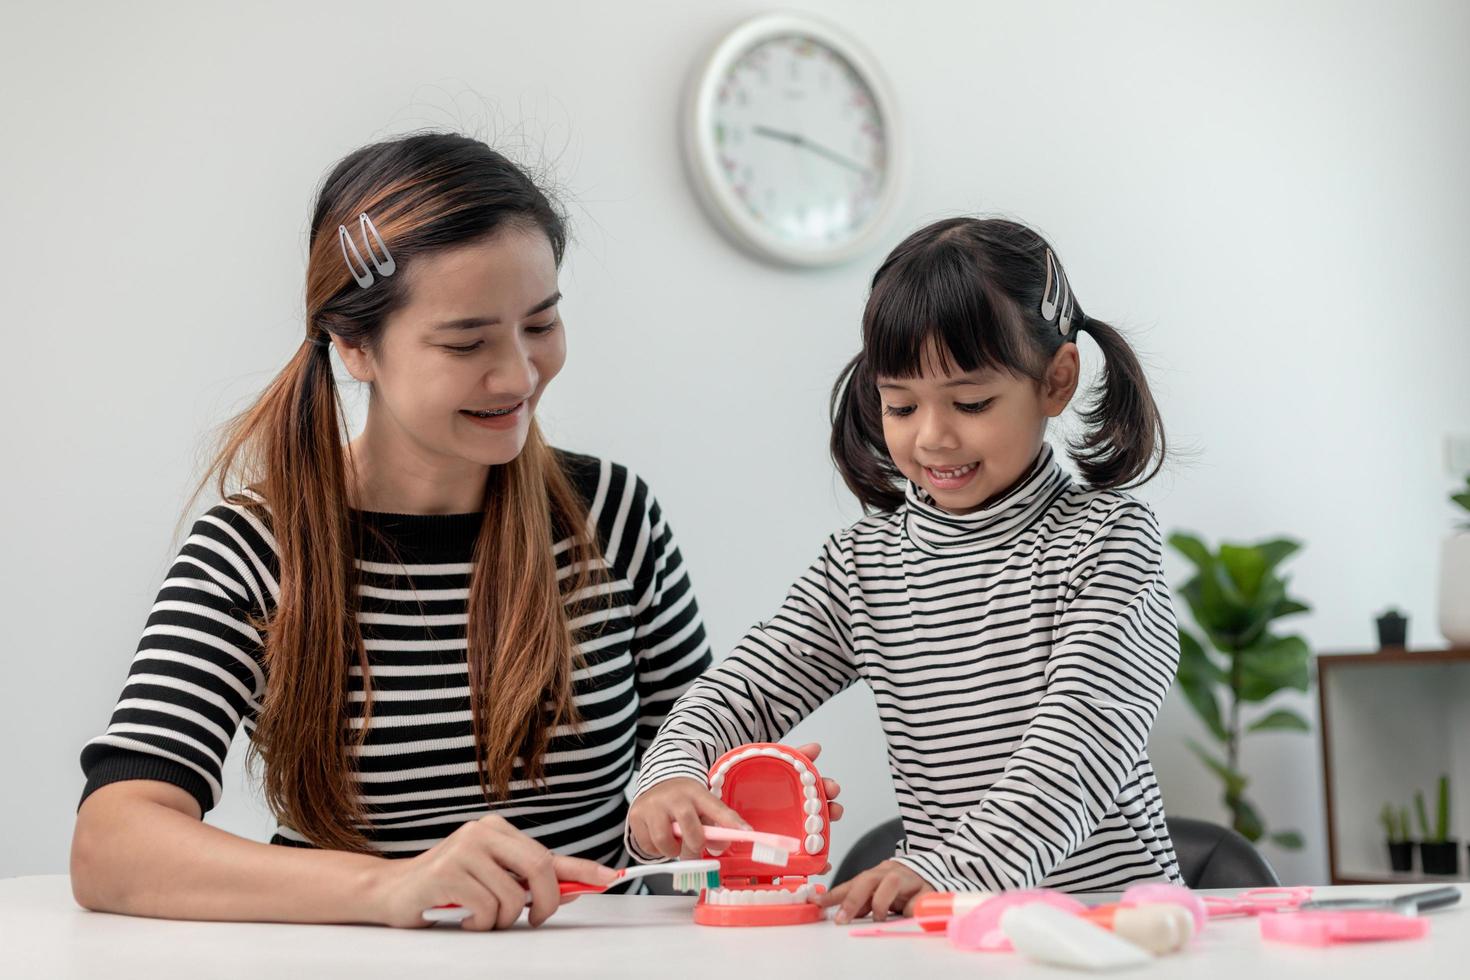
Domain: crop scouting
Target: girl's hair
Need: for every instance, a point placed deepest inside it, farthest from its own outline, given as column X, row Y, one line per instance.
column 425, row 193
column 973, row 288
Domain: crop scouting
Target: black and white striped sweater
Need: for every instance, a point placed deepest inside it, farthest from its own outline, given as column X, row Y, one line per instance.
column 198, row 672
column 1018, row 657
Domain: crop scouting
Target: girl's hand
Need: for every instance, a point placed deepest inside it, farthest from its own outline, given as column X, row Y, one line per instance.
column 688, row 802
column 487, row 866
column 888, row 887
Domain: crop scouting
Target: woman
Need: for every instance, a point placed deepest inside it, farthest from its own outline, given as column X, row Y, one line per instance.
column 448, row 642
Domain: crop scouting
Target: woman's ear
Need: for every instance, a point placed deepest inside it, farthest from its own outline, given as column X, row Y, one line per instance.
column 1059, row 383
column 357, row 360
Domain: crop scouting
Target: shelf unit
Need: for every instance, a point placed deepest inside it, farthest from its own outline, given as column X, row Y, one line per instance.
column 1390, row 722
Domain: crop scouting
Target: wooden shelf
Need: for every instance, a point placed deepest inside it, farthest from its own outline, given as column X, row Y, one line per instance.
column 1390, row 721
column 1393, row 655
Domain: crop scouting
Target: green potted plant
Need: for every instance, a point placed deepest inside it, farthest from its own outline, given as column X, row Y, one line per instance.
column 1439, row 853
column 1236, row 596
column 1396, row 831
column 1454, row 576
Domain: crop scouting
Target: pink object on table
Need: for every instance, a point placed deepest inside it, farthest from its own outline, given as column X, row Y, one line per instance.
column 979, row 928
column 915, row 927
column 1160, row 893
column 1257, row 901
column 1326, row 928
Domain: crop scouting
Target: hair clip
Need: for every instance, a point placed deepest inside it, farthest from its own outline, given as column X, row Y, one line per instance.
column 1056, row 297
column 359, row 268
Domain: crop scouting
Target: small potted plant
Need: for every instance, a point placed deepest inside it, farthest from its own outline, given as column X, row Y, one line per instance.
column 1396, row 829
column 1454, row 576
column 1393, row 630
column 1439, row 853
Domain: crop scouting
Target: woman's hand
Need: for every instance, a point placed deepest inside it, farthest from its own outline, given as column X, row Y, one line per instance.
column 487, row 867
column 888, row 887
column 689, row 803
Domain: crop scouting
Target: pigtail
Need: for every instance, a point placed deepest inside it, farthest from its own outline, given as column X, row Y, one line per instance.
column 1125, row 444
column 858, row 447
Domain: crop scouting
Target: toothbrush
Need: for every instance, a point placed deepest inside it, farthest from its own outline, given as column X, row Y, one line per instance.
column 772, row 849
column 689, row 876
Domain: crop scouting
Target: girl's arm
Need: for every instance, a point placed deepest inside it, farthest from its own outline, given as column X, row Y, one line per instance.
column 140, row 848
column 1112, row 661
column 782, row 671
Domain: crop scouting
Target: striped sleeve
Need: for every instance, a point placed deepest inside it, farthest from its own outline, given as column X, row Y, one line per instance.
column 197, row 674
column 782, row 671
column 1112, row 661
column 670, row 649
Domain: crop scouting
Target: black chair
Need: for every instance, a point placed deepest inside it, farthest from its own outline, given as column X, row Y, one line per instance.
column 1210, row 856
column 875, row 846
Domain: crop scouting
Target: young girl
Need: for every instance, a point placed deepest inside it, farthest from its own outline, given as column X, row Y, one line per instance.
column 1014, row 625
column 448, row 642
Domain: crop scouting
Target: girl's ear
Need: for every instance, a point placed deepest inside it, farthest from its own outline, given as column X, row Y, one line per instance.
column 1059, row 383
column 357, row 360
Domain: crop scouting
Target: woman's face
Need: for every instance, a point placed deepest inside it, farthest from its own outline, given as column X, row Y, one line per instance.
column 458, row 371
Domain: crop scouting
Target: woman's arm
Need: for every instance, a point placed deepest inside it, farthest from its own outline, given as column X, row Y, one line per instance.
column 140, row 848
column 140, row 845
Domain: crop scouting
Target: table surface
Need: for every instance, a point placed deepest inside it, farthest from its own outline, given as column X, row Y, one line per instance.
column 44, row 934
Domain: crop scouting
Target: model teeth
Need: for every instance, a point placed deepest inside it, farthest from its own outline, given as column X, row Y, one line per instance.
column 759, row 896
column 495, row 412
column 811, row 804
column 953, row 474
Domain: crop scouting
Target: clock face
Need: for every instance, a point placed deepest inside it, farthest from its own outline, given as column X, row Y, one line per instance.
column 793, row 142
column 800, row 141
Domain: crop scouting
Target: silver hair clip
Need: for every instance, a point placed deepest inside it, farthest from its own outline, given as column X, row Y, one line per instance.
column 1056, row 297
column 385, row 266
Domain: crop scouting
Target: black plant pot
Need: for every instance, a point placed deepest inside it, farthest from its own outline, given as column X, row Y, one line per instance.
column 1401, row 855
column 1442, row 858
column 1393, row 630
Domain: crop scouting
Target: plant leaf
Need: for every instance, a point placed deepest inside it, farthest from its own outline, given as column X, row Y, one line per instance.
column 1278, row 551
column 1291, row 840
column 1194, row 549
column 1277, row 664
column 1235, row 782
column 1248, row 820
column 1198, row 679
column 1247, row 568
column 1270, row 593
column 1281, row 720
column 1289, row 607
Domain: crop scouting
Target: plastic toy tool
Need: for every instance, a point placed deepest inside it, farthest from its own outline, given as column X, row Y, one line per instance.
column 778, row 791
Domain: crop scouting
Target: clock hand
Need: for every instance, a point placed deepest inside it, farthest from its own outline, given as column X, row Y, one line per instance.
column 796, row 139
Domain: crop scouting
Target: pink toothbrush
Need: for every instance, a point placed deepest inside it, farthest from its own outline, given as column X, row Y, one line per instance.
column 772, row 849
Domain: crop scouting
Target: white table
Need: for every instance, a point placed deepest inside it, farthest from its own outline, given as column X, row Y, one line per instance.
column 44, row 934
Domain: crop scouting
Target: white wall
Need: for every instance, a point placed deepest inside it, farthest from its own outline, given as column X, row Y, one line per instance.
column 1271, row 197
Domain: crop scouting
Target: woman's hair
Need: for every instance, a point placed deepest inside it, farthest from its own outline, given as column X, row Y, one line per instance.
column 985, row 294
column 424, row 193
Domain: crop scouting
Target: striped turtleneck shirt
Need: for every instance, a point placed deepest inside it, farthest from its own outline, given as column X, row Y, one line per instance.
column 199, row 672
column 1018, row 656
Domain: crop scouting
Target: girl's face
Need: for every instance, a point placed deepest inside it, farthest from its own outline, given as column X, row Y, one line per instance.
column 967, row 438
column 458, row 370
